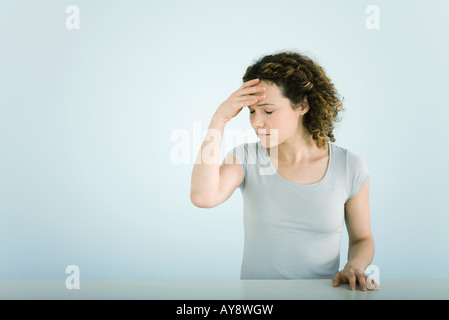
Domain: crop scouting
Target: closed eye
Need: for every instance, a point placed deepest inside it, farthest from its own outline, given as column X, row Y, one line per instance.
column 267, row 112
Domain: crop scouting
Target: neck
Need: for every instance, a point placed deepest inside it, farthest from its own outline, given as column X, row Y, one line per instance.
column 298, row 148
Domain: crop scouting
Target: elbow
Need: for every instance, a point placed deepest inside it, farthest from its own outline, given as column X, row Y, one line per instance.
column 362, row 239
column 201, row 201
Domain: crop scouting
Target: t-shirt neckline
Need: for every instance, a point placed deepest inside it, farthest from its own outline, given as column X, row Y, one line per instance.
column 299, row 185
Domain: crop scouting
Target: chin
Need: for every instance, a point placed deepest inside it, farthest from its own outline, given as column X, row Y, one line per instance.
column 269, row 142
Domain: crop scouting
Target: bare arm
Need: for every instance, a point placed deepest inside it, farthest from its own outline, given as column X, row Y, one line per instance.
column 206, row 170
column 211, row 183
column 361, row 243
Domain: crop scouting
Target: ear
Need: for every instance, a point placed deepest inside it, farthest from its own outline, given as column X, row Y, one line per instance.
column 304, row 105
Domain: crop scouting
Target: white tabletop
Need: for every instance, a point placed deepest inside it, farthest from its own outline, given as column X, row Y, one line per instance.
column 391, row 289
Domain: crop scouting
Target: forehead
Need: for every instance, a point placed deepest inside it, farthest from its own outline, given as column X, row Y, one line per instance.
column 272, row 89
column 263, row 83
column 273, row 94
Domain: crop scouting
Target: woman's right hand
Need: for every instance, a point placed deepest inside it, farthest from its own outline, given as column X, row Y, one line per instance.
column 247, row 95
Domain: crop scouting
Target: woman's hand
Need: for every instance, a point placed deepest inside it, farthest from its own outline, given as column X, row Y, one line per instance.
column 354, row 275
column 247, row 95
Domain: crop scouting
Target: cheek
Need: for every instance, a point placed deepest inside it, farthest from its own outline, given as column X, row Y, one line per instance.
column 287, row 123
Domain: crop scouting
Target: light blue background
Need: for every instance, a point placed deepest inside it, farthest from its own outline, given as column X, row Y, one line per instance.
column 86, row 118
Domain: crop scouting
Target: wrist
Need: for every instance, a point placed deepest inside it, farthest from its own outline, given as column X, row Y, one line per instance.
column 218, row 120
column 355, row 265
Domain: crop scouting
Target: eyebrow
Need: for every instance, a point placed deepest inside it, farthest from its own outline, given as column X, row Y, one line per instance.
column 263, row 104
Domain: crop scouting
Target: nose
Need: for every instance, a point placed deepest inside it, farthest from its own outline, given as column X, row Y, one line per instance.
column 257, row 120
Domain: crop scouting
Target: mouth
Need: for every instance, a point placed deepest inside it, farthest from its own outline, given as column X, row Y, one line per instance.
column 262, row 135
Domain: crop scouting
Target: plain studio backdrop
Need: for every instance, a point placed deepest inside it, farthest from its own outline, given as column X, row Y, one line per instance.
column 104, row 106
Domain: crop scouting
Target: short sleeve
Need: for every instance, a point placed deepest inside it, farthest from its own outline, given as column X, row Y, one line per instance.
column 357, row 173
column 240, row 153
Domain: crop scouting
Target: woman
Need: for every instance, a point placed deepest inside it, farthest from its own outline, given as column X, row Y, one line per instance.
column 298, row 187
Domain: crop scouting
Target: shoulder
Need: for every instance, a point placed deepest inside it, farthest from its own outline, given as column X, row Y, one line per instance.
column 354, row 167
column 245, row 146
column 351, row 159
column 244, row 151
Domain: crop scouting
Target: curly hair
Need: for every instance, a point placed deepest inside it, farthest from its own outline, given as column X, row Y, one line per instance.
column 298, row 77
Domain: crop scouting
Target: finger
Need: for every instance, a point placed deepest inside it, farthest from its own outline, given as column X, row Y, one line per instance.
column 250, row 90
column 336, row 280
column 370, row 283
column 376, row 285
column 250, row 83
column 246, row 102
column 259, row 97
column 352, row 282
column 249, row 98
column 362, row 281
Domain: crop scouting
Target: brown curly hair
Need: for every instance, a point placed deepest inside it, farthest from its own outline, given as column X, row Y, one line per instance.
column 298, row 77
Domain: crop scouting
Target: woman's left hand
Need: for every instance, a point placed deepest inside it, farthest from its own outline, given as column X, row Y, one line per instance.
column 354, row 276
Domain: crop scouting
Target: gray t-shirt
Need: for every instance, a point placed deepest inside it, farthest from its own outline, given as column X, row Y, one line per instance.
column 293, row 231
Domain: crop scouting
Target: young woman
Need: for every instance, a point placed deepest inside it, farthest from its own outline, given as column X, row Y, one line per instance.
column 298, row 187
